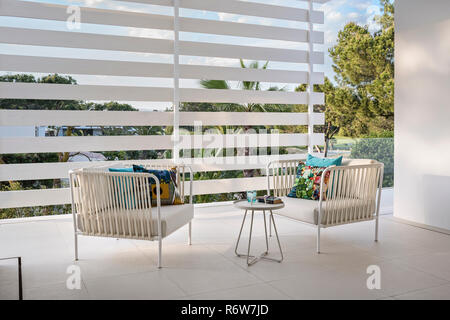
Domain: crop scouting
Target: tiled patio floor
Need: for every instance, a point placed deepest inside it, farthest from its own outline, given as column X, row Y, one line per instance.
column 415, row 263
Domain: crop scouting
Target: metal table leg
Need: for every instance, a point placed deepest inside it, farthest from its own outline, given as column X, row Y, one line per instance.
column 270, row 228
column 264, row 254
column 255, row 259
column 239, row 237
column 265, row 232
column 19, row 262
column 278, row 238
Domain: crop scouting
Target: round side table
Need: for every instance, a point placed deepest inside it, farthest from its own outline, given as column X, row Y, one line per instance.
column 258, row 206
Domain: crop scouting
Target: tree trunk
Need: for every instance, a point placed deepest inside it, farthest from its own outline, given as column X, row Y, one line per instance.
column 328, row 135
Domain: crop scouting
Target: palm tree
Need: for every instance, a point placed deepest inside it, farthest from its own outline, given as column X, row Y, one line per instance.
column 247, row 107
column 244, row 85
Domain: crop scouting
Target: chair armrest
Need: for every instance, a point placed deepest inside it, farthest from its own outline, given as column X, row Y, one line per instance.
column 329, row 169
column 349, row 184
column 158, row 201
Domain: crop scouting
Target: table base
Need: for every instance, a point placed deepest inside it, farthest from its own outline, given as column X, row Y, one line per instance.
column 251, row 259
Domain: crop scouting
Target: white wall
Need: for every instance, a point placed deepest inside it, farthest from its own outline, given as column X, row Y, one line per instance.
column 422, row 112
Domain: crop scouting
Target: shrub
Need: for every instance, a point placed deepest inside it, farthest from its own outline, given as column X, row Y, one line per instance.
column 380, row 149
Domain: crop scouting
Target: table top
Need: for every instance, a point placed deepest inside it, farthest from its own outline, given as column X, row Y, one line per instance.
column 257, row 206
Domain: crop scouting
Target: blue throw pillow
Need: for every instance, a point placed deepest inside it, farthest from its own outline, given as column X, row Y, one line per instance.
column 121, row 169
column 323, row 162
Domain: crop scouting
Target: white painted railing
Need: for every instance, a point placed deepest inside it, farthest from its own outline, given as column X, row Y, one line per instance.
column 96, row 66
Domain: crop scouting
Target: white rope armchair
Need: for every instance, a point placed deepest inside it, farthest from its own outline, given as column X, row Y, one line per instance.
column 353, row 194
column 119, row 205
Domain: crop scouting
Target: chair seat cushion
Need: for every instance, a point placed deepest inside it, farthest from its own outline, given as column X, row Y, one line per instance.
column 358, row 162
column 172, row 218
column 308, row 210
column 299, row 209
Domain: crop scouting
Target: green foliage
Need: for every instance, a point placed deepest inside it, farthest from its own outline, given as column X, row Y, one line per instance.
column 108, row 106
column 35, row 104
column 339, row 108
column 387, row 19
column 243, row 85
column 362, row 101
column 253, row 85
column 364, row 67
column 380, row 149
column 382, row 134
column 215, row 84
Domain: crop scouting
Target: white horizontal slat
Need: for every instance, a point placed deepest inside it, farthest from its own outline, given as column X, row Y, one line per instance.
column 90, row 143
column 248, row 119
column 148, row 45
column 57, row 170
column 318, row 118
column 10, row 90
column 244, row 8
column 229, row 185
column 85, row 118
column 132, row 118
column 130, row 143
column 145, row 69
column 247, row 96
column 48, row 11
column 318, row 139
column 248, row 30
column 241, row 74
column 85, row 66
column 60, row 170
column 204, row 49
column 213, row 141
column 31, row 198
column 84, row 40
column 45, row 197
column 237, row 163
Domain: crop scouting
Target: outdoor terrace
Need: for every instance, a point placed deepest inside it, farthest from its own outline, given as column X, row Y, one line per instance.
column 413, row 261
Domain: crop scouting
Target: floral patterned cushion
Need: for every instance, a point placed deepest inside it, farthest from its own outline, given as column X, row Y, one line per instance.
column 307, row 182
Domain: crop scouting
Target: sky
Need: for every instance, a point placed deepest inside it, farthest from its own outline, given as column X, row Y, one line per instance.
column 337, row 14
